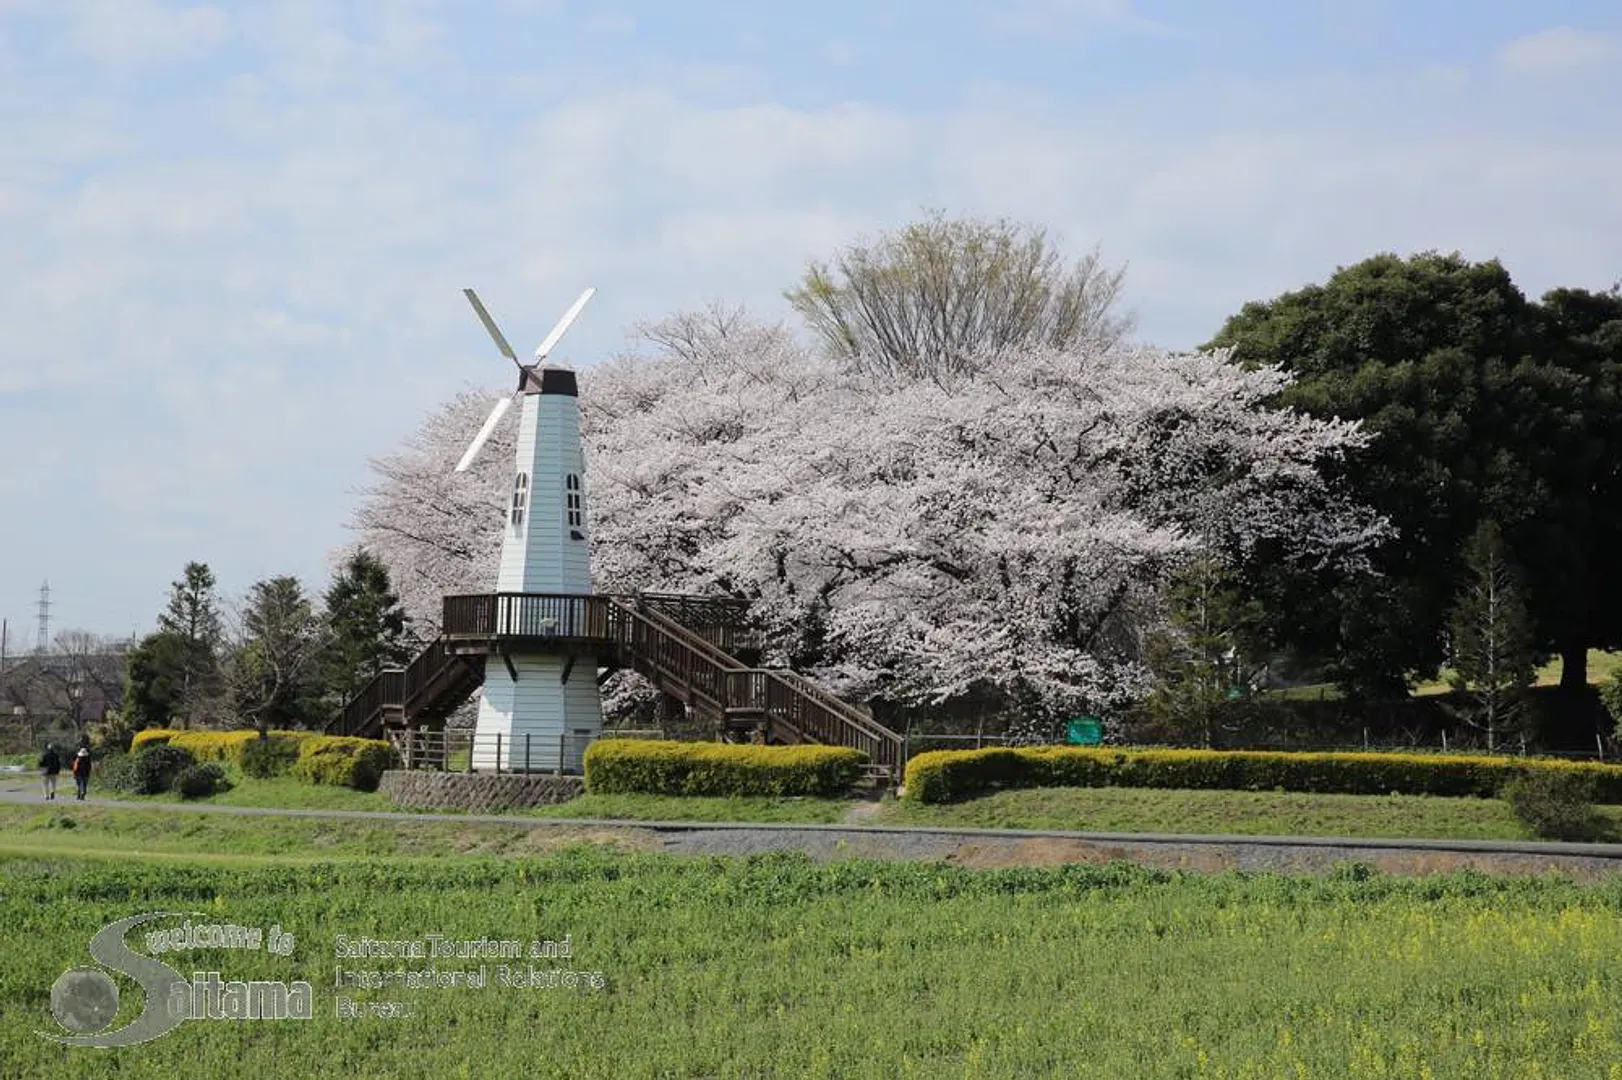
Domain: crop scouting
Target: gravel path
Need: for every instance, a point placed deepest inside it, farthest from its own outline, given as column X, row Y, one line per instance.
column 982, row 848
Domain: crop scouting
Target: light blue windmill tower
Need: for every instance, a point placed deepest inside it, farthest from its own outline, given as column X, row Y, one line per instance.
column 535, row 703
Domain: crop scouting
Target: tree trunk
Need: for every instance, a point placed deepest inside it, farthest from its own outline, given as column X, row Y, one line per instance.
column 1573, row 667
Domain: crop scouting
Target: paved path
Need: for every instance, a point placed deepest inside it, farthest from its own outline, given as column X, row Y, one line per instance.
column 974, row 847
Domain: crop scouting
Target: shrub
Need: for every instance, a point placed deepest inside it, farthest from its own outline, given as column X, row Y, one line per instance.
column 152, row 736
column 948, row 775
column 1610, row 693
column 343, row 761
column 115, row 731
column 663, row 767
column 201, row 781
column 1554, row 805
column 153, row 769
column 268, row 757
column 115, row 772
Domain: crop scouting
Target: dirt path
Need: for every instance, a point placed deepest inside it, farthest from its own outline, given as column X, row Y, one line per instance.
column 984, row 848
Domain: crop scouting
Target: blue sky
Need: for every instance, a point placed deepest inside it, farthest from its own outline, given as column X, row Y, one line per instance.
column 234, row 234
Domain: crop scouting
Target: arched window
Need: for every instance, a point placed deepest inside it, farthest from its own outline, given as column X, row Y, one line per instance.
column 520, row 498
column 571, row 492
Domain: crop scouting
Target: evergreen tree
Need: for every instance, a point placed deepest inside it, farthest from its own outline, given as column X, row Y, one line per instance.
column 275, row 667
column 193, row 610
column 366, row 626
column 174, row 675
column 1198, row 657
column 1493, row 655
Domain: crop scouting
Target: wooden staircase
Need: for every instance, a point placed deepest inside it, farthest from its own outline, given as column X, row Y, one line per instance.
column 698, row 650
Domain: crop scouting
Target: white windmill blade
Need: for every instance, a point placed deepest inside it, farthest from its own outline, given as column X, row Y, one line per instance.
column 563, row 326
column 490, row 325
column 484, row 433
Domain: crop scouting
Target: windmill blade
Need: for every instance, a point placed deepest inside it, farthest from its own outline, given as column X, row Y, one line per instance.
column 484, row 433
column 563, row 326
column 490, row 325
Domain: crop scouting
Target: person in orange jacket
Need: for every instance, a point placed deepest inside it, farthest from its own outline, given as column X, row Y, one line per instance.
column 81, row 772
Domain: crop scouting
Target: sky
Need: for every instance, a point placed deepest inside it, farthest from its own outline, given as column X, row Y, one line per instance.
column 233, row 236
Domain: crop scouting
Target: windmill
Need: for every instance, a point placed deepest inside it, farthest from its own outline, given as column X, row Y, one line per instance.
column 543, row 550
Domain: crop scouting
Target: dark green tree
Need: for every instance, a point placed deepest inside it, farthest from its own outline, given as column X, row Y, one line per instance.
column 275, row 667
column 1202, row 652
column 1485, row 405
column 1492, row 651
column 366, row 626
column 157, row 690
column 193, row 615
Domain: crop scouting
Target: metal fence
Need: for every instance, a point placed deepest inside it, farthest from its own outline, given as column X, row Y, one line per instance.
column 465, row 750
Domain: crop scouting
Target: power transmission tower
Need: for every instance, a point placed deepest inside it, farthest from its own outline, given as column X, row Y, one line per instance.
column 44, row 617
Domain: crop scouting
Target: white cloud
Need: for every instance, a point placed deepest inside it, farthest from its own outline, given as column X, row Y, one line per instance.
column 1560, row 50
column 207, row 335
column 131, row 34
column 1060, row 16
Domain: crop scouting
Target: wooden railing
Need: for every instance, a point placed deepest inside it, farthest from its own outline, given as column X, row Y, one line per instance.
column 780, row 696
column 722, row 621
column 401, row 694
column 650, row 633
column 526, row 615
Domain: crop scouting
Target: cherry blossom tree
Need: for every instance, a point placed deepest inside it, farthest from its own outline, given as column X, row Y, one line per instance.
column 1005, row 532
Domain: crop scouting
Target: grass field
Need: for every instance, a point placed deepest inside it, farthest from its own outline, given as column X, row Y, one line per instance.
column 1602, row 666
column 1250, row 813
column 782, row 967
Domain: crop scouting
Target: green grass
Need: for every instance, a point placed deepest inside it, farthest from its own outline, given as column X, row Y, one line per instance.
column 1091, row 809
column 698, row 808
column 1251, row 813
column 778, row 966
column 283, row 792
column 67, row 829
column 1601, row 667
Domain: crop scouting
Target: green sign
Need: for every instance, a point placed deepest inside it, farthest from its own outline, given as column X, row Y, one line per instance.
column 1084, row 731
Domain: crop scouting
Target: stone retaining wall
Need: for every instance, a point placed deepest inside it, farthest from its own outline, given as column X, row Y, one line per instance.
column 479, row 792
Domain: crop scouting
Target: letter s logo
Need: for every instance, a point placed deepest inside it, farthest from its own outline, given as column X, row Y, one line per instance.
column 86, row 999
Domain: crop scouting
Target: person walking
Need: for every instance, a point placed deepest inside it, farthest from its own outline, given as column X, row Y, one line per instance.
column 81, row 772
column 50, row 765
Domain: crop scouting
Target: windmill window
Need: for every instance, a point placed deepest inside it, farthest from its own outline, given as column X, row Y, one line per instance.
column 571, row 486
column 520, row 498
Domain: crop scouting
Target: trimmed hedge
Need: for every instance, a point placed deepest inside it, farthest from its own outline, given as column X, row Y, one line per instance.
column 950, row 775
column 213, row 745
column 306, row 755
column 343, row 761
column 152, row 736
column 668, row 767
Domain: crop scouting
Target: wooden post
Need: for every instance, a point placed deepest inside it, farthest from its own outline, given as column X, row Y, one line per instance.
column 563, row 739
column 498, row 753
column 526, row 751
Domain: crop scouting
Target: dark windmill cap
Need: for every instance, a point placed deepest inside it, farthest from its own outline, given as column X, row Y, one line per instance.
column 549, row 380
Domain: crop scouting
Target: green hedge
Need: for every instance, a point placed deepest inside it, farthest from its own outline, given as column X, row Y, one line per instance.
column 949, row 775
column 667, row 767
column 343, row 761
column 228, row 746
